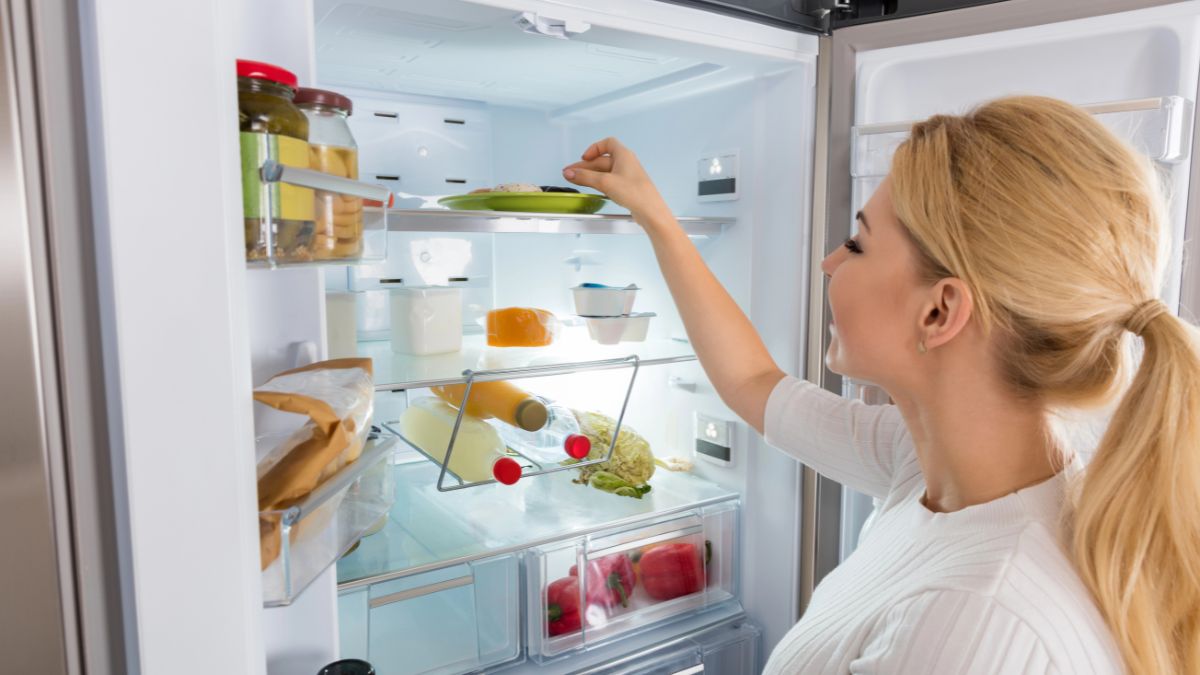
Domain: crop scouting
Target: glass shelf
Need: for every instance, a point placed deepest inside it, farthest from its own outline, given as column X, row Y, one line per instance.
column 445, row 220
column 428, row 529
column 394, row 372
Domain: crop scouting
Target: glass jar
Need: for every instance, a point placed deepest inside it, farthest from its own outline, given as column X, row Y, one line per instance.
column 278, row 217
column 339, row 218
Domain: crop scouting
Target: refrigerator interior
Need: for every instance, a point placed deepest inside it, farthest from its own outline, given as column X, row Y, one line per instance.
column 465, row 99
column 1143, row 63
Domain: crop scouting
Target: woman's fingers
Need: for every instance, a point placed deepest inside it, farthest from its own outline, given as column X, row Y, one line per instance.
column 603, row 163
column 587, row 178
column 608, row 146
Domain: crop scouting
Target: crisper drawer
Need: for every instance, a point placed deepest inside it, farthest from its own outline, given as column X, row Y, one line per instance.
column 451, row 620
column 588, row 590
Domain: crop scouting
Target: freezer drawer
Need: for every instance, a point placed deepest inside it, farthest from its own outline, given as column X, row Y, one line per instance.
column 729, row 649
column 589, row 590
column 452, row 620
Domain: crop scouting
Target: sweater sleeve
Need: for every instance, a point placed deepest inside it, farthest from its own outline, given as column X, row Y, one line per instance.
column 952, row 631
column 856, row 444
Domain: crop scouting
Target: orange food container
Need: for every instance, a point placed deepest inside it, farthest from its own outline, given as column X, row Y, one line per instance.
column 520, row 327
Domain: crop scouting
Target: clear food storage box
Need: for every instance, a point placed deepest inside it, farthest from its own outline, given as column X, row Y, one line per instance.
column 316, row 532
column 451, row 620
column 590, row 590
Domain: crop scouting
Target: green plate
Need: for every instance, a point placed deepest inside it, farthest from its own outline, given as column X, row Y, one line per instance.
column 530, row 202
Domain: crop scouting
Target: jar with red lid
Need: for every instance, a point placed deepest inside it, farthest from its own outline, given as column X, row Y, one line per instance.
column 278, row 216
column 339, row 218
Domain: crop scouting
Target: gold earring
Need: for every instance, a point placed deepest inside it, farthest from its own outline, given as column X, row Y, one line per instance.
column 921, row 347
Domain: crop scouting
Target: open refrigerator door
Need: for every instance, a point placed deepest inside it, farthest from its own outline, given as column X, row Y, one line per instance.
column 1134, row 67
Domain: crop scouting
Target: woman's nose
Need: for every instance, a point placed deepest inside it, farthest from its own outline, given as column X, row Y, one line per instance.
column 831, row 261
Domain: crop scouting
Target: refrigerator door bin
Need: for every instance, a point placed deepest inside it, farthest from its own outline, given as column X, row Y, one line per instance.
column 590, row 590
column 361, row 237
column 1160, row 128
column 313, row 534
column 451, row 620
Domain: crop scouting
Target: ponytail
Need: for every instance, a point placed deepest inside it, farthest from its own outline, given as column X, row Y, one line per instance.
column 1136, row 524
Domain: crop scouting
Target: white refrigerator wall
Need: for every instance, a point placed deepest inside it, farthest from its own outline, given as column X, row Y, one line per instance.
column 1148, row 53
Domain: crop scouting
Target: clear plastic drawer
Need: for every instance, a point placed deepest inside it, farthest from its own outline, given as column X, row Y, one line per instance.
column 452, row 620
column 589, row 590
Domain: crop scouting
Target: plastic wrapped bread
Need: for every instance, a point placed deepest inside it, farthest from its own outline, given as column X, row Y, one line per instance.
column 324, row 414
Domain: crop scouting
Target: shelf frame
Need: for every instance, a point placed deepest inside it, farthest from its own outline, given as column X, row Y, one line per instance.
column 471, row 377
column 514, row 222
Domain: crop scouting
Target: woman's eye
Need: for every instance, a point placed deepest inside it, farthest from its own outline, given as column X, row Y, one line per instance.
column 852, row 246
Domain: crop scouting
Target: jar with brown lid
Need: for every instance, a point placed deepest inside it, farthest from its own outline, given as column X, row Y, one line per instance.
column 339, row 218
column 277, row 216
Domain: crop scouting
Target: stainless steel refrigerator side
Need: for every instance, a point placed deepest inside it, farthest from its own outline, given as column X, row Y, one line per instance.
column 845, row 43
column 818, row 519
column 38, row 614
column 96, row 508
column 1189, row 290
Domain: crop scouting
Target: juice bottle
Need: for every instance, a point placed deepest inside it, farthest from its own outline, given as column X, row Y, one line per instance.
column 504, row 401
column 478, row 451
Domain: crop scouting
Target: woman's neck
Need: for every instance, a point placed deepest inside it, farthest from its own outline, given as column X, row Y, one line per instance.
column 976, row 441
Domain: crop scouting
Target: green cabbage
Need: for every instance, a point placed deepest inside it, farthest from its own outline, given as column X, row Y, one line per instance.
column 631, row 465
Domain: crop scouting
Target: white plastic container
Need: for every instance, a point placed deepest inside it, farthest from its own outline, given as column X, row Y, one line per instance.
column 607, row 330
column 341, row 324
column 426, row 320
column 637, row 326
column 604, row 300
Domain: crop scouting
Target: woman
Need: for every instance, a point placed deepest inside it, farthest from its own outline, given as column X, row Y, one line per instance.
column 994, row 279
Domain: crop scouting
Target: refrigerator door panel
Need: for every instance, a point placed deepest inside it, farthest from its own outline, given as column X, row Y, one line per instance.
column 176, row 351
column 1135, row 63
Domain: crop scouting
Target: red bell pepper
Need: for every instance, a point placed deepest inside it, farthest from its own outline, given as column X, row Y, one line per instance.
column 610, row 580
column 562, row 606
column 672, row 570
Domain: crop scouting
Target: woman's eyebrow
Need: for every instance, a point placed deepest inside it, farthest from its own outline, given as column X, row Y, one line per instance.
column 863, row 219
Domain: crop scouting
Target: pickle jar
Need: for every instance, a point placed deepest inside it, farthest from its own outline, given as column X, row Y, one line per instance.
column 339, row 218
column 278, row 216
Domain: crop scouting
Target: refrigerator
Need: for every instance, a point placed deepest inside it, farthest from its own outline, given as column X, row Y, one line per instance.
column 138, row 331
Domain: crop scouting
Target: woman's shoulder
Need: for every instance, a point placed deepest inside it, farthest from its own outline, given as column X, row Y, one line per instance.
column 1034, row 592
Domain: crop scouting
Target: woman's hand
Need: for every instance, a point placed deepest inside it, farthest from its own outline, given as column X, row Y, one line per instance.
column 613, row 169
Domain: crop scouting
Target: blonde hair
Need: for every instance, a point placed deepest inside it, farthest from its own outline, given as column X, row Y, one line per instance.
column 1057, row 227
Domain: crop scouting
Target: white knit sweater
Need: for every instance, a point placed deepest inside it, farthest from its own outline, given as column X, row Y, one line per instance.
column 987, row 589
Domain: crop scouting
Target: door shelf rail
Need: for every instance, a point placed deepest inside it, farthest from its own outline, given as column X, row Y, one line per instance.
column 275, row 242
column 1158, row 127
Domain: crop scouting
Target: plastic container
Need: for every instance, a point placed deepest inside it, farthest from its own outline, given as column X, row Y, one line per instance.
column 454, row 619
column 597, row 300
column 667, row 568
column 314, row 533
column 478, row 453
column 607, row 330
column 341, row 324
column 278, row 217
column 338, row 232
column 426, row 320
column 558, row 440
column 637, row 326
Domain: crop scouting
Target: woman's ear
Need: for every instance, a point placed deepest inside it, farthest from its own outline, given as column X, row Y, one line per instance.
column 946, row 314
